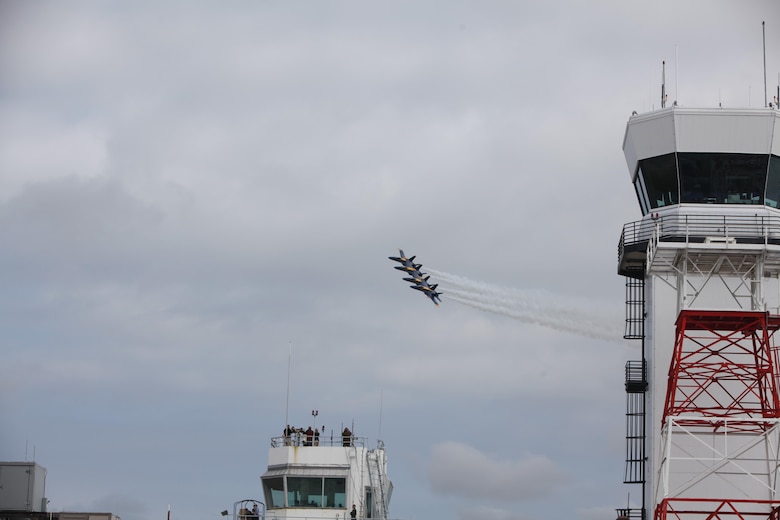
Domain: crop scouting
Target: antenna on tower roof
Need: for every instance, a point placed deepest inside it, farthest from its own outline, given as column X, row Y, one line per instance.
column 287, row 401
column 763, row 35
column 676, row 76
column 663, row 84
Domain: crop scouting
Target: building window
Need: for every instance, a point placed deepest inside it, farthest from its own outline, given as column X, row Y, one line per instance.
column 314, row 492
column 722, row 178
column 707, row 178
column 773, row 182
column 659, row 175
column 274, row 492
column 304, row 491
column 335, row 494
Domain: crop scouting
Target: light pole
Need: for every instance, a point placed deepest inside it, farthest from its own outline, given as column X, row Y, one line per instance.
column 314, row 414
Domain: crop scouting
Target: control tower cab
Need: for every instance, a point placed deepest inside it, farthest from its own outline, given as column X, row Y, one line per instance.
column 704, row 174
column 681, row 157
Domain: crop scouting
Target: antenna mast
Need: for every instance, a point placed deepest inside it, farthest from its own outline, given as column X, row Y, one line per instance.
column 676, row 76
column 763, row 35
column 663, row 84
column 287, row 403
column 381, row 402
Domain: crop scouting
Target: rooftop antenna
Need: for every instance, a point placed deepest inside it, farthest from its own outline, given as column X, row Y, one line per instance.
column 287, row 403
column 663, row 84
column 676, row 75
column 763, row 35
column 381, row 400
column 650, row 89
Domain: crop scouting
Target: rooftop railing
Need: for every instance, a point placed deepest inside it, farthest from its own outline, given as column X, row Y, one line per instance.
column 301, row 439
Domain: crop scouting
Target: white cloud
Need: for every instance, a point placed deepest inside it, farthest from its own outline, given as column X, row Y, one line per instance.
column 458, row 469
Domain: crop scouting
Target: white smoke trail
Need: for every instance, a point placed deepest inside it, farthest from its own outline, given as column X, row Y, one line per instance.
column 564, row 313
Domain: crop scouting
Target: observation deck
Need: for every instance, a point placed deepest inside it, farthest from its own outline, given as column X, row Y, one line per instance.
column 654, row 244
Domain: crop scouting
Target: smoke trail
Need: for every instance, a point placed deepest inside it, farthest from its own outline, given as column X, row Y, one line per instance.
column 564, row 313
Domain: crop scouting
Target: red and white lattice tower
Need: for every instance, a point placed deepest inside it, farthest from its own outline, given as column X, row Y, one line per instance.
column 703, row 297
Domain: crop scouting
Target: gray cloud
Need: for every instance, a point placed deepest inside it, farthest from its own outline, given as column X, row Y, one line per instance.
column 458, row 469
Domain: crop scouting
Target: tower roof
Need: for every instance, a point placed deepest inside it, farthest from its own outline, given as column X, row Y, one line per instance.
column 713, row 130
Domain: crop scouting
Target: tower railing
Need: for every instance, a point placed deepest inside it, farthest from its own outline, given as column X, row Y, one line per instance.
column 640, row 241
column 698, row 228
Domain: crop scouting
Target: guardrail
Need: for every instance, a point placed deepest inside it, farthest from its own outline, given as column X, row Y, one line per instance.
column 301, row 439
column 698, row 228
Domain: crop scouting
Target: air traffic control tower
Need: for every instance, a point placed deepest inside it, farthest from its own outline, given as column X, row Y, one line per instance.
column 702, row 271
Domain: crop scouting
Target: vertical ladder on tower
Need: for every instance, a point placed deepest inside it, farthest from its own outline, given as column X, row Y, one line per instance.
column 376, row 478
column 636, row 388
column 635, row 307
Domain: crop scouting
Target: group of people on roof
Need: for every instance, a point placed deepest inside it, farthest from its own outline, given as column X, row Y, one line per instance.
column 308, row 437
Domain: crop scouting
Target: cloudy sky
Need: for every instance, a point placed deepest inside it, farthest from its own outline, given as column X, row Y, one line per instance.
column 195, row 195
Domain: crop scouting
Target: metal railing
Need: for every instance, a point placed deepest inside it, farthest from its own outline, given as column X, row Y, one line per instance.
column 278, row 514
column 630, row 514
column 301, row 439
column 697, row 228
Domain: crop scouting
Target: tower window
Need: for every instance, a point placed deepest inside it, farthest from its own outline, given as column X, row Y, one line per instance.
column 660, row 180
column 722, row 178
column 773, row 182
column 708, row 178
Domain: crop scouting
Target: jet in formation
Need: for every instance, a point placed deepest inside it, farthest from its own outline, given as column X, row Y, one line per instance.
column 416, row 276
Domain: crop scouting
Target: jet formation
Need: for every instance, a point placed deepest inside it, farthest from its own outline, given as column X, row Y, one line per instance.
column 417, row 277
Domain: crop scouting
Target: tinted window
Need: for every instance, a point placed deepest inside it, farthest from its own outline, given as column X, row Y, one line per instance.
column 718, row 178
column 274, row 492
column 304, row 491
column 660, row 180
column 335, row 492
column 773, row 182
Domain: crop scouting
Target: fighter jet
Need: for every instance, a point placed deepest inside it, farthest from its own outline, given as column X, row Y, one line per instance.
column 414, row 270
column 417, row 279
column 429, row 291
column 408, row 263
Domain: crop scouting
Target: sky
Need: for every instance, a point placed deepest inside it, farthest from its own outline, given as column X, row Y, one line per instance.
column 197, row 203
